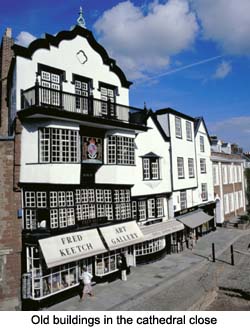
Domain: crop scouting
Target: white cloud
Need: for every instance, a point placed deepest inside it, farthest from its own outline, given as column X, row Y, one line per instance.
column 227, row 22
column 24, row 38
column 233, row 130
column 223, row 69
column 142, row 41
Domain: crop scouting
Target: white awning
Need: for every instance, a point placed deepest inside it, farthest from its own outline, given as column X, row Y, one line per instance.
column 161, row 229
column 71, row 247
column 122, row 235
column 194, row 219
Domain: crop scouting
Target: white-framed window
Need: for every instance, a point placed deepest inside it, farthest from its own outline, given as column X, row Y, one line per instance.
column 204, row 193
column 30, row 219
column 120, row 150
column 41, row 199
column 70, row 198
column 146, row 169
column 151, row 208
column 44, row 145
column 134, row 210
column 160, row 207
column 58, row 145
column 202, row 144
column 239, row 173
column 82, row 93
column 128, row 198
column 91, row 194
column 231, row 202
column 111, row 153
column 215, row 174
column 142, row 210
column 189, row 131
column 30, row 199
column 229, row 173
column 106, row 263
column 240, row 199
column 226, row 204
column 180, row 167
column 224, row 174
column 107, row 196
column 99, row 195
column 51, row 84
column 78, row 195
column 108, row 98
column 54, row 218
column 183, row 199
column 150, row 168
column 235, row 173
column 203, row 166
column 191, row 168
column 84, row 195
column 236, row 200
column 61, row 199
column 150, row 246
column 178, row 130
column 53, row 199
column 109, row 211
column 63, row 217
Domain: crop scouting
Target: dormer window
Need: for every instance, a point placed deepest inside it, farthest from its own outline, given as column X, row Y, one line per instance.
column 150, row 165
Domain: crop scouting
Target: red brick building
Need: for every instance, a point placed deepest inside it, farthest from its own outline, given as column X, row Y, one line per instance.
column 10, row 197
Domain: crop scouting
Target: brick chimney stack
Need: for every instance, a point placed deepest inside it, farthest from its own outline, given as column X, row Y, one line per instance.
column 6, row 55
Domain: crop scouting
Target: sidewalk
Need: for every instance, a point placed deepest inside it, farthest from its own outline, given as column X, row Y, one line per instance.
column 146, row 280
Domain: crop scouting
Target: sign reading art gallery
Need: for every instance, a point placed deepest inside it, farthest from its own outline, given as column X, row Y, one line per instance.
column 92, row 150
column 70, row 247
column 122, row 235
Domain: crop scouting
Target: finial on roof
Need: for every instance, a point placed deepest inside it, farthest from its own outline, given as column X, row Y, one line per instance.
column 81, row 20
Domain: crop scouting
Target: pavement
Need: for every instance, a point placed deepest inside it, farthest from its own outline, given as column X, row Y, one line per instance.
column 182, row 281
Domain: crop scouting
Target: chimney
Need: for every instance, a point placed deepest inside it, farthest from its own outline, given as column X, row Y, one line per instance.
column 6, row 55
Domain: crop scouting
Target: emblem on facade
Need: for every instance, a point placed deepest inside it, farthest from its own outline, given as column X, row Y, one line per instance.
column 82, row 57
column 92, row 148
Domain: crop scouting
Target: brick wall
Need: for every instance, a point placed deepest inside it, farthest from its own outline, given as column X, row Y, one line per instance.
column 5, row 61
column 10, row 195
column 10, row 230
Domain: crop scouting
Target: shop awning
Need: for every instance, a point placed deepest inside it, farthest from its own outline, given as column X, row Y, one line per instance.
column 194, row 219
column 122, row 235
column 161, row 229
column 71, row 247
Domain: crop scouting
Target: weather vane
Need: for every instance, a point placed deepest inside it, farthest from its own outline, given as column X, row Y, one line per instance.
column 81, row 20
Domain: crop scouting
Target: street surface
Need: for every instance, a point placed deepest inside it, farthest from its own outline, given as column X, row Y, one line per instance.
column 180, row 282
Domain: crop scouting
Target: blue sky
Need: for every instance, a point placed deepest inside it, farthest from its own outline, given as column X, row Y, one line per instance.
column 191, row 55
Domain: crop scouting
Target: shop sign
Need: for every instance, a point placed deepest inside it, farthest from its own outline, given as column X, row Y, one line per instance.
column 122, row 235
column 70, row 247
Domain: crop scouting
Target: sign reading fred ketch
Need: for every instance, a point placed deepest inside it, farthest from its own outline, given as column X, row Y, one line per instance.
column 71, row 247
column 122, row 235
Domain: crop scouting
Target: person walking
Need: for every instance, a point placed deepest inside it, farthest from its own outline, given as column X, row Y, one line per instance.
column 85, row 286
column 123, row 266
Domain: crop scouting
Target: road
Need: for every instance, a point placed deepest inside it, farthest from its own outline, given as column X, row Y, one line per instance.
column 215, row 286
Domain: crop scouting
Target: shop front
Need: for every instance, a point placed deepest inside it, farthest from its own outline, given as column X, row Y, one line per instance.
column 158, row 240
column 119, row 238
column 53, row 264
column 197, row 224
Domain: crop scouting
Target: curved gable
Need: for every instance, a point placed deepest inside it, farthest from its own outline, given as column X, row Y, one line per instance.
column 50, row 40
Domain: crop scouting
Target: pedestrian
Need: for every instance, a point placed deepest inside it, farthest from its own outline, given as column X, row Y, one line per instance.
column 191, row 241
column 123, row 266
column 85, row 286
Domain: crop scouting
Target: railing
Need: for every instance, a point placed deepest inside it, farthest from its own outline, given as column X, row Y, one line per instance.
column 39, row 96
